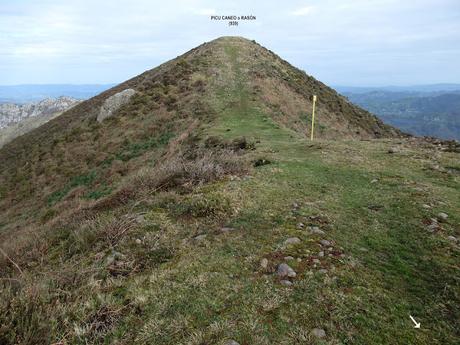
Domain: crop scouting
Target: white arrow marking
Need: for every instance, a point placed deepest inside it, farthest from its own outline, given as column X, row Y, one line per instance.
column 417, row 324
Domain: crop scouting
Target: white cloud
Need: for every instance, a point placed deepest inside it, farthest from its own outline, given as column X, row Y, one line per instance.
column 303, row 11
column 206, row 12
column 349, row 41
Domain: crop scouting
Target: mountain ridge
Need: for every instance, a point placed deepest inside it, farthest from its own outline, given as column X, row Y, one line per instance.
column 199, row 212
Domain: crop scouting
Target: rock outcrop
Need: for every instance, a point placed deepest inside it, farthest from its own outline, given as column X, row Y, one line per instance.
column 18, row 119
column 11, row 113
column 113, row 103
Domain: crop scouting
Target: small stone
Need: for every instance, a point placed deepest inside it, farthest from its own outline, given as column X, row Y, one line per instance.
column 299, row 260
column 330, row 249
column 316, row 230
column 264, row 263
column 325, row 242
column 138, row 241
column 452, row 238
column 374, row 181
column 322, row 271
column 140, row 218
column 316, row 261
column 295, row 205
column 442, row 216
column 432, row 227
column 232, row 342
column 113, row 257
column 287, row 258
column 321, row 254
column 200, row 237
column 318, row 333
column 439, row 168
column 426, row 206
column 292, row 240
column 362, row 249
column 227, row 229
column 393, row 150
column 284, row 270
column 300, row 226
column 286, row 282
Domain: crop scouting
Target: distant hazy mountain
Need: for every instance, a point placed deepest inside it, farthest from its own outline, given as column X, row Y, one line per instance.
column 18, row 119
column 437, row 88
column 35, row 92
column 429, row 113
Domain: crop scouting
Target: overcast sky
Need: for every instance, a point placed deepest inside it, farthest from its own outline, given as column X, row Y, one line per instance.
column 340, row 42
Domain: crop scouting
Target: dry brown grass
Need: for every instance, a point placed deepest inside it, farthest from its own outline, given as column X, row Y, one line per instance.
column 185, row 173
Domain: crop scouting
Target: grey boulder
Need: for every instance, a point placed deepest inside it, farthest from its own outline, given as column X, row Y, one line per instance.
column 113, row 103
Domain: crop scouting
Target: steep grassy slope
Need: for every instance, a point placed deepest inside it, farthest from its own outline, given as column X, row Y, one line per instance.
column 172, row 253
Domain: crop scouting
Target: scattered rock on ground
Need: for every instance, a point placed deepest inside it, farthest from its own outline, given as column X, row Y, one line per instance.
column 432, row 227
column 232, row 342
column 374, row 181
column 287, row 258
column 321, row 254
column 114, row 256
column 426, row 206
column 292, row 240
column 200, row 237
column 322, row 271
column 442, row 216
column 264, row 263
column 318, row 333
column 316, row 230
column 286, row 282
column 140, row 218
column 393, row 150
column 284, row 270
column 325, row 242
column 437, row 167
column 227, row 229
column 453, row 239
column 300, row 226
column 138, row 241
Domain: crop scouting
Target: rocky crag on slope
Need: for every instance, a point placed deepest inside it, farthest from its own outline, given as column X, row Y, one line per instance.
column 18, row 119
column 11, row 113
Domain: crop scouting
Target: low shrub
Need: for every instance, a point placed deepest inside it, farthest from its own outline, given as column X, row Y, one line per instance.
column 184, row 173
column 209, row 205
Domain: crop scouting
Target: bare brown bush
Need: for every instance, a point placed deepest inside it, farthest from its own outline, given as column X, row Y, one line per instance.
column 181, row 172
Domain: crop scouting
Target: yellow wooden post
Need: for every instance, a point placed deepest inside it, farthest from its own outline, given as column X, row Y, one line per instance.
column 313, row 117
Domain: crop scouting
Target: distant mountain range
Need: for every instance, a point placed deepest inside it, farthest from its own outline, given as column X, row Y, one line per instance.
column 18, row 119
column 27, row 93
column 439, row 88
column 426, row 110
